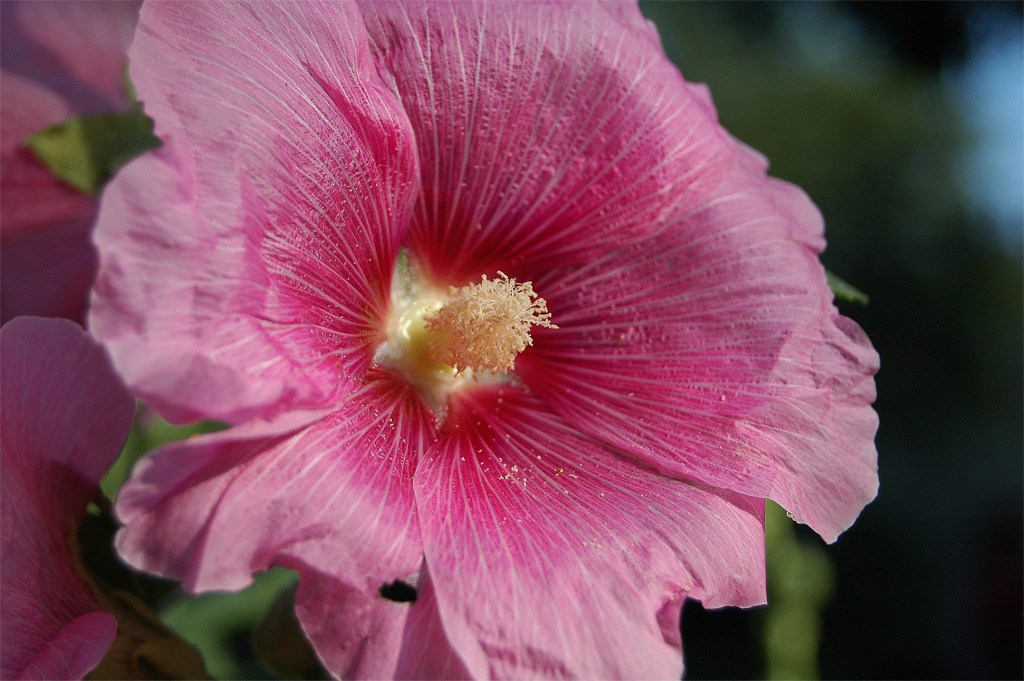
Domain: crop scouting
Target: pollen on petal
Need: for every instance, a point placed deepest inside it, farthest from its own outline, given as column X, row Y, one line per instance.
column 484, row 326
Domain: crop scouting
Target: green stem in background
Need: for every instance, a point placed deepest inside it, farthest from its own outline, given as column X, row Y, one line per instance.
column 844, row 290
column 801, row 579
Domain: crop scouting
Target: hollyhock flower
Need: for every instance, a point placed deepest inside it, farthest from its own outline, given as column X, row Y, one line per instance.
column 65, row 417
column 514, row 337
column 57, row 60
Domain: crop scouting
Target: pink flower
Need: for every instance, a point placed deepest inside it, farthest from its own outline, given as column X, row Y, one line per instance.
column 552, row 507
column 59, row 60
column 65, row 417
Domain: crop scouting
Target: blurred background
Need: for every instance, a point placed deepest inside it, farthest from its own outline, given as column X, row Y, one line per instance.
column 903, row 121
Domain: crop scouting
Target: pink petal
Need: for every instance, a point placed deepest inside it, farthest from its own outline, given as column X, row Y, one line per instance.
column 426, row 647
column 42, row 592
column 76, row 48
column 545, row 131
column 60, row 59
column 359, row 636
column 330, row 497
column 63, row 404
column 713, row 353
column 552, row 557
column 47, row 272
column 47, row 262
column 76, row 650
column 65, row 416
column 251, row 255
column 32, row 197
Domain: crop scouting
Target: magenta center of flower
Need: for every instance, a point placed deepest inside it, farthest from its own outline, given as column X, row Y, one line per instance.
column 438, row 340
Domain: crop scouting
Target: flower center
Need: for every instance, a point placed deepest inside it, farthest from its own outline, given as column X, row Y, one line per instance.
column 439, row 340
column 484, row 326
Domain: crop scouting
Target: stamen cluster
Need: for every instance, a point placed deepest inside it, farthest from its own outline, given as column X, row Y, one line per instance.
column 484, row 326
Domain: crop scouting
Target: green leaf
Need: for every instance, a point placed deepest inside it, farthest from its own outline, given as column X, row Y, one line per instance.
column 844, row 290
column 220, row 625
column 86, row 151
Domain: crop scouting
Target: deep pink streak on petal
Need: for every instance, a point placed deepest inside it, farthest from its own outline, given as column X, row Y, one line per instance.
column 714, row 353
column 545, row 131
column 65, row 416
column 251, row 256
column 552, row 557
column 330, row 497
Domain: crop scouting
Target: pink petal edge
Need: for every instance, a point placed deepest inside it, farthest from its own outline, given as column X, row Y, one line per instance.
column 65, row 417
column 530, row 530
column 267, row 259
column 714, row 353
column 330, row 497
